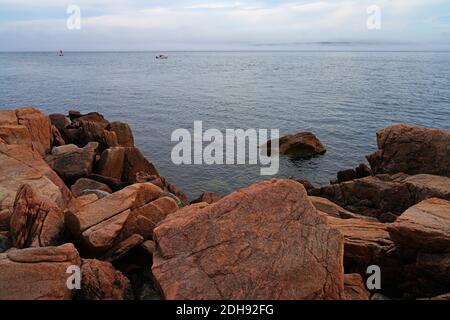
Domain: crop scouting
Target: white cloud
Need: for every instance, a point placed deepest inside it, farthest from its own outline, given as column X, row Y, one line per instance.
column 242, row 21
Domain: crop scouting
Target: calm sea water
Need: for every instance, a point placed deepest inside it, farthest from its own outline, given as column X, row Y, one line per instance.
column 343, row 97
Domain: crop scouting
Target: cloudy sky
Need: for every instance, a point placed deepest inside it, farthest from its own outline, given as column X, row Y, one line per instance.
column 41, row 25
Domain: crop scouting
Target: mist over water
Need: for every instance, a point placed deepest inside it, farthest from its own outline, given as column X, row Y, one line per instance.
column 342, row 97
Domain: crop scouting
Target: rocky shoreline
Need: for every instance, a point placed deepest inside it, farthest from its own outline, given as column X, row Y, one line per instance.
column 75, row 191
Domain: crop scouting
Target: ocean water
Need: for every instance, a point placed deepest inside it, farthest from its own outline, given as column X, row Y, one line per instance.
column 343, row 97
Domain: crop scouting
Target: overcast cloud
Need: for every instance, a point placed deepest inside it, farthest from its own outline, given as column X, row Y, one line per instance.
column 40, row 25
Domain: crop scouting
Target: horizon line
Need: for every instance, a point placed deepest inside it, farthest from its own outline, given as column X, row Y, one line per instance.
column 218, row 50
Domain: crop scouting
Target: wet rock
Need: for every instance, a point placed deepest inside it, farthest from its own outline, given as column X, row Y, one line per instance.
column 100, row 281
column 37, row 273
column 425, row 227
column 35, row 222
column 84, row 184
column 300, row 145
column 251, row 244
column 355, row 288
column 412, row 150
column 72, row 162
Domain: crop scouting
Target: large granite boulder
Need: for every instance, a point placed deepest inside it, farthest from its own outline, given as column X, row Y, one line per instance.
column 300, row 145
column 72, row 162
column 123, row 163
column 98, row 224
column 263, row 242
column 21, row 165
column 37, row 273
column 100, row 281
column 27, row 126
column 35, row 222
column 412, row 150
column 424, row 227
column 123, row 133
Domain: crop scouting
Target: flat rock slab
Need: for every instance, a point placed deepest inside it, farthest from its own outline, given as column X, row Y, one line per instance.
column 37, row 273
column 425, row 226
column 365, row 242
column 263, row 242
column 131, row 197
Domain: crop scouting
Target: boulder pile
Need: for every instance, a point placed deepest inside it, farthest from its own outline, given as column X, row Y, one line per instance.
column 84, row 215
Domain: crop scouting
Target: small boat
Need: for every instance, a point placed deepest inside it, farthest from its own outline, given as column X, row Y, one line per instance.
column 60, row 53
column 162, row 56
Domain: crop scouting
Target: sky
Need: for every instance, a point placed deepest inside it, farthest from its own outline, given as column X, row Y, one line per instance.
column 127, row 25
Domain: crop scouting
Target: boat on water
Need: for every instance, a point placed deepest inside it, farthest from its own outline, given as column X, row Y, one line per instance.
column 162, row 57
column 60, row 53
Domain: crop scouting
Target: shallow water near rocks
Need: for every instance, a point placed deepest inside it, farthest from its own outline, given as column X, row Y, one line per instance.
column 343, row 97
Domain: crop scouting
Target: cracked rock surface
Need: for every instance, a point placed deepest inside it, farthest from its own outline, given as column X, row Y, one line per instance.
column 250, row 245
